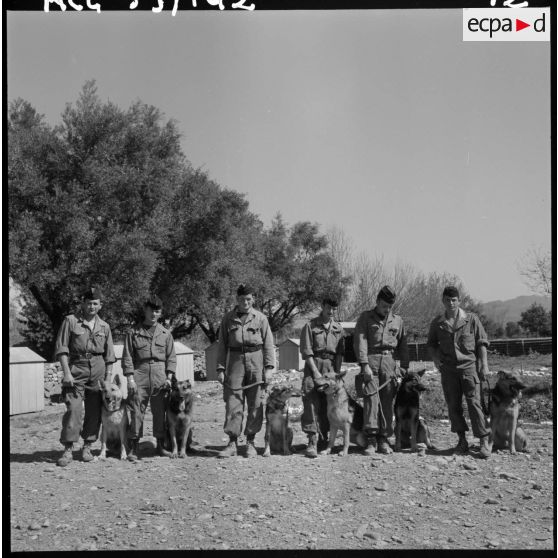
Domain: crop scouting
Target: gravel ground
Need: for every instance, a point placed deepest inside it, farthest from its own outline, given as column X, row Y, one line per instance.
column 399, row 501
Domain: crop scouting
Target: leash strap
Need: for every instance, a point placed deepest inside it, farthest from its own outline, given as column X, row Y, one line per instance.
column 244, row 387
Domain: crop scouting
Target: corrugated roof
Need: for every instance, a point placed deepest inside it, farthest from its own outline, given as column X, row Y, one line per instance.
column 19, row 355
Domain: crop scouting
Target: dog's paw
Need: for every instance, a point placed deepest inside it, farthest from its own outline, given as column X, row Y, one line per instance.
column 182, row 454
column 266, row 453
column 102, row 456
column 397, row 447
column 123, row 457
column 343, row 453
column 325, row 452
column 287, row 452
column 173, row 455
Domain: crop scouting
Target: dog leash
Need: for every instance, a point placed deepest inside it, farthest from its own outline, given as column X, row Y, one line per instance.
column 244, row 387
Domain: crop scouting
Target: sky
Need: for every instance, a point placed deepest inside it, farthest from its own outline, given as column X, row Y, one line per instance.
column 422, row 148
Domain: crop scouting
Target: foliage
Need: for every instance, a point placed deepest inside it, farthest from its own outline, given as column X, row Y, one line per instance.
column 536, row 269
column 512, row 329
column 537, row 321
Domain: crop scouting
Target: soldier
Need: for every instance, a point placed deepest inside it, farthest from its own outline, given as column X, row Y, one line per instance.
column 148, row 361
column 457, row 344
column 246, row 357
column 378, row 334
column 86, row 353
column 322, row 346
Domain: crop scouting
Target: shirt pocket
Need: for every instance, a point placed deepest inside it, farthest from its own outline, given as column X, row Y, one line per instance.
column 253, row 336
column 99, row 340
column 318, row 339
column 160, row 347
column 142, row 346
column 375, row 333
column 467, row 341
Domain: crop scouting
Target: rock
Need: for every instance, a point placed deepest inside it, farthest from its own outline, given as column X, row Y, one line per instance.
column 508, row 476
column 205, row 516
column 34, row 526
column 132, row 525
column 432, row 468
column 395, row 538
column 491, row 501
column 46, row 523
column 359, row 533
column 382, row 487
column 527, row 496
column 536, row 486
column 370, row 535
column 470, row 466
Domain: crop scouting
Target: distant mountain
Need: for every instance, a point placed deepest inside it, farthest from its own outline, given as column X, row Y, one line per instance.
column 503, row 311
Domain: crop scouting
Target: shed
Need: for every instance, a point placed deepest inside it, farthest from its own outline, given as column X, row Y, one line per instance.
column 211, row 361
column 184, row 364
column 289, row 355
column 27, row 381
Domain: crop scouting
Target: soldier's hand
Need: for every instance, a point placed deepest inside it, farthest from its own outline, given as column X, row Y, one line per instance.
column 367, row 373
column 221, row 377
column 132, row 387
column 67, row 380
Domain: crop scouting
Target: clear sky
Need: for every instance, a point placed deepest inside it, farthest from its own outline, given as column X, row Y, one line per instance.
column 423, row 148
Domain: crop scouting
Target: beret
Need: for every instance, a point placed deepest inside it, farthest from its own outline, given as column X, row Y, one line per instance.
column 387, row 293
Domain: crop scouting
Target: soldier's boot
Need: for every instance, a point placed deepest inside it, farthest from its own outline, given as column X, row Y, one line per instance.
column 250, row 447
column 230, row 450
column 86, row 454
column 383, row 446
column 485, row 449
column 370, row 449
column 67, row 456
column 133, row 454
column 462, row 447
column 311, row 449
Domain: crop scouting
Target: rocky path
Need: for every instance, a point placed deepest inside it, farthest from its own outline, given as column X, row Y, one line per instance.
column 385, row 502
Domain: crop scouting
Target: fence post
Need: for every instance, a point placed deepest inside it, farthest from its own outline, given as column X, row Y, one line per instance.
column 523, row 346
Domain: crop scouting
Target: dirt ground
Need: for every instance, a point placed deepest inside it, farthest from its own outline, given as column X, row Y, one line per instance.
column 438, row 501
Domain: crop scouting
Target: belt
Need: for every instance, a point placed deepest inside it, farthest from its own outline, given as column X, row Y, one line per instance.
column 324, row 354
column 85, row 356
column 381, row 352
column 150, row 361
column 246, row 349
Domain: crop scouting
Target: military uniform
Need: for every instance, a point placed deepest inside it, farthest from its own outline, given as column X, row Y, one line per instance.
column 148, row 354
column 457, row 348
column 324, row 344
column 375, row 341
column 244, row 350
column 89, row 351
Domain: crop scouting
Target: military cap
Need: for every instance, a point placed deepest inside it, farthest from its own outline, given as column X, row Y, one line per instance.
column 153, row 301
column 92, row 293
column 244, row 290
column 330, row 302
column 387, row 293
column 451, row 291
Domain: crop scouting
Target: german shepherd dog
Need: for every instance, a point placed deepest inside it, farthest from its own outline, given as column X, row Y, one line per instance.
column 343, row 414
column 504, row 412
column 179, row 418
column 410, row 427
column 114, row 418
column 278, row 433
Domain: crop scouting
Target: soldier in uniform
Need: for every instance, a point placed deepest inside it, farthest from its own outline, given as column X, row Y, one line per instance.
column 148, row 361
column 457, row 344
column 86, row 353
column 378, row 334
column 322, row 345
column 246, row 357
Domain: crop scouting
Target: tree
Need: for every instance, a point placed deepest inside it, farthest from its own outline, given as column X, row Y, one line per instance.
column 536, row 269
column 84, row 203
column 512, row 329
column 536, row 320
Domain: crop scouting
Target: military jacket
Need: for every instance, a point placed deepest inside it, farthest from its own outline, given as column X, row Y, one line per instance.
column 316, row 338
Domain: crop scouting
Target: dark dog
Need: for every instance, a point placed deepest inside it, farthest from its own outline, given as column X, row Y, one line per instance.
column 278, row 433
column 180, row 414
column 114, row 419
column 343, row 414
column 504, row 412
column 410, row 427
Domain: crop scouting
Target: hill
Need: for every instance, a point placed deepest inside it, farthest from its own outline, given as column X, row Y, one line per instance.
column 503, row 311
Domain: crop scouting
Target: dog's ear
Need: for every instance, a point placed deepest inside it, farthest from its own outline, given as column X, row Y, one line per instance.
column 116, row 380
column 102, row 386
column 174, row 381
column 421, row 372
column 341, row 374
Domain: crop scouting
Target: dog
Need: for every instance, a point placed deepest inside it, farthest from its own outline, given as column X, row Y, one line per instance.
column 504, row 412
column 179, row 418
column 343, row 414
column 278, row 433
column 410, row 428
column 114, row 418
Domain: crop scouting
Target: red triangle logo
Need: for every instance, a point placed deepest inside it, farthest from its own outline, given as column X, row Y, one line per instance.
column 519, row 25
